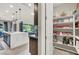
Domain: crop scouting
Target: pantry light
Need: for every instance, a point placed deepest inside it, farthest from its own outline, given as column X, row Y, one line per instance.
column 12, row 16
column 29, row 5
column 32, row 13
column 11, row 6
column 6, row 11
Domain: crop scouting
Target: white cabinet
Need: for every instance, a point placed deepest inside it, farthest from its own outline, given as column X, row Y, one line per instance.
column 16, row 39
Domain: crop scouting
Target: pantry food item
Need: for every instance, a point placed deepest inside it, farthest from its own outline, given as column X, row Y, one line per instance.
column 62, row 26
column 63, row 14
column 65, row 40
column 62, row 33
column 77, row 24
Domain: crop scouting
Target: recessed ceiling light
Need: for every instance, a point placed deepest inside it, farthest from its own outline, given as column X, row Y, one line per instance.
column 11, row 6
column 29, row 4
column 6, row 11
column 12, row 16
column 32, row 13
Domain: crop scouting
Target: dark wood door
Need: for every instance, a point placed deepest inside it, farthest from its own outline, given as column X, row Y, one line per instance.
column 33, row 46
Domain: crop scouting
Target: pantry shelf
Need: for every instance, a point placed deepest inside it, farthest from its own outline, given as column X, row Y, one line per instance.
column 68, row 48
column 64, row 35
column 60, row 23
column 64, row 28
column 62, row 44
column 77, row 37
column 77, row 28
column 64, row 17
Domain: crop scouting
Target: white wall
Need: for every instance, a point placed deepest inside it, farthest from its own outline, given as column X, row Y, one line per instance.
column 66, row 7
column 49, row 29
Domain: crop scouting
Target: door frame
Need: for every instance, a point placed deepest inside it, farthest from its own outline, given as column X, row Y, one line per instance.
column 45, row 35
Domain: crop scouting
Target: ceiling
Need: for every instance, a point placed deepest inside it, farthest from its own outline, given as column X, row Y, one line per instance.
column 8, row 10
column 57, row 4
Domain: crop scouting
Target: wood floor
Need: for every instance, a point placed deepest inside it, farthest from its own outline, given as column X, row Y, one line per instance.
column 17, row 51
column 21, row 50
column 61, row 52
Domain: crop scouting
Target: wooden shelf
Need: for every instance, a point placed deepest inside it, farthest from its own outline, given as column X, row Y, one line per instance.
column 64, row 17
column 76, row 20
column 72, row 29
column 68, row 48
column 65, row 22
column 62, row 23
column 76, row 28
column 77, row 37
column 64, row 28
column 65, row 35
column 62, row 44
column 77, row 49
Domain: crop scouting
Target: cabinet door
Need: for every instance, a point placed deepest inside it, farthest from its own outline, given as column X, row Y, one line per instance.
column 7, row 39
column 6, row 26
column 33, row 46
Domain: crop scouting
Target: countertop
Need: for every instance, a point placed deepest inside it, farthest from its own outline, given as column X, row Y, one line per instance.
column 33, row 36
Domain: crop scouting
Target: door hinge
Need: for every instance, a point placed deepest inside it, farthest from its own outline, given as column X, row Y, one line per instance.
column 45, row 37
column 45, row 17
